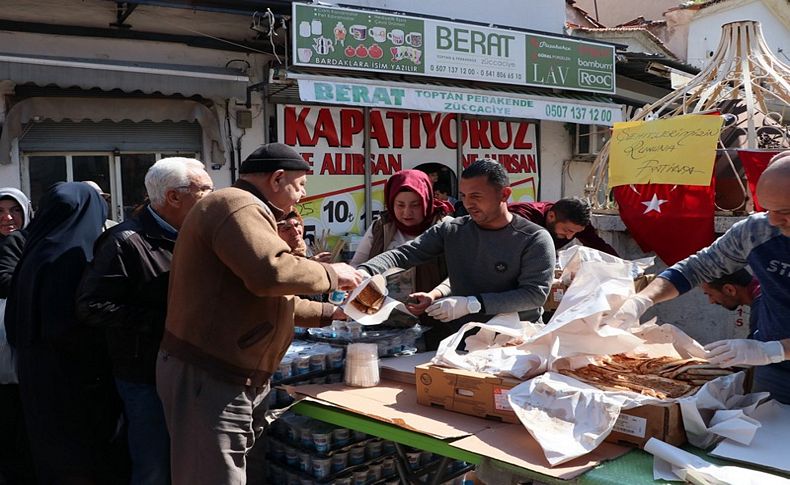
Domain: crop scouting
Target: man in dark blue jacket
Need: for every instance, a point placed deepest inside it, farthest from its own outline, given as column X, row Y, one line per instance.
column 125, row 290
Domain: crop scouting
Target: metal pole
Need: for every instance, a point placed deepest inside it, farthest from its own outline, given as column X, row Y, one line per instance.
column 459, row 153
column 368, row 174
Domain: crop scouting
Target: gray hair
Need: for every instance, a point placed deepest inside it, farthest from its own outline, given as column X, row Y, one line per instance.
column 169, row 173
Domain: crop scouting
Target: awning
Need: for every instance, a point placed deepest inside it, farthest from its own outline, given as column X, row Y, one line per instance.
column 31, row 110
column 167, row 79
column 510, row 103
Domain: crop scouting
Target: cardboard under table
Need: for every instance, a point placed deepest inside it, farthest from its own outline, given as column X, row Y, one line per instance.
column 390, row 411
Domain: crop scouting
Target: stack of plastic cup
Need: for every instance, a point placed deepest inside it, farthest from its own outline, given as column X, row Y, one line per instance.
column 362, row 365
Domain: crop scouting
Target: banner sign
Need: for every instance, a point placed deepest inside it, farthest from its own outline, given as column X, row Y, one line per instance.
column 447, row 100
column 341, row 38
column 678, row 151
column 331, row 140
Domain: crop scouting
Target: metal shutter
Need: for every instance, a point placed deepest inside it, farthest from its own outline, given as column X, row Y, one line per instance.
column 126, row 136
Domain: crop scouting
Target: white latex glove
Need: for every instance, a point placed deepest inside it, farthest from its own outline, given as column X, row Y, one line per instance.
column 631, row 311
column 727, row 353
column 449, row 309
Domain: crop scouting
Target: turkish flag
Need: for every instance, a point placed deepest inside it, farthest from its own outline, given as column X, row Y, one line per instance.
column 754, row 164
column 672, row 220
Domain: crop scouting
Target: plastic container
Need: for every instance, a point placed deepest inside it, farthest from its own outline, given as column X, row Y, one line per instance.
column 341, row 437
column 335, row 358
column 362, row 365
column 388, row 466
column 317, row 362
column 375, row 472
column 359, row 435
column 414, row 459
column 322, row 468
column 305, row 462
column 356, row 456
column 339, row 461
column 301, row 365
column 361, row 476
column 373, row 449
column 322, row 440
column 291, row 457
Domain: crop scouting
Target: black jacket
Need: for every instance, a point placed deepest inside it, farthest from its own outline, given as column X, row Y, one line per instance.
column 124, row 289
column 11, row 248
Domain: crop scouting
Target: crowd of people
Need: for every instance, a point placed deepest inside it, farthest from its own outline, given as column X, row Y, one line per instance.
column 143, row 351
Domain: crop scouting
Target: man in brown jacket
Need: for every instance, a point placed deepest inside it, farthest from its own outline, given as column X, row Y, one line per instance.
column 231, row 313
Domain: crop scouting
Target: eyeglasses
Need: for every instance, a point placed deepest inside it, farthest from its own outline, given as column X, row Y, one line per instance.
column 200, row 188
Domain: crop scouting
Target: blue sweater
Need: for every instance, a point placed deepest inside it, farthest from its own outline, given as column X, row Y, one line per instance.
column 755, row 242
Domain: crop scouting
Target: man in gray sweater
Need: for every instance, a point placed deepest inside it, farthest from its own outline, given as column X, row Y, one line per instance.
column 497, row 262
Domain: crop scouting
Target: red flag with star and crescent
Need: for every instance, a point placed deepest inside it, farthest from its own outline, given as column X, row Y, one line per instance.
column 675, row 221
column 754, row 164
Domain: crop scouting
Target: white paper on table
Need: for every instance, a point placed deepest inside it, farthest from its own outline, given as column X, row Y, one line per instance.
column 769, row 446
column 720, row 410
column 486, row 350
column 688, row 467
column 380, row 316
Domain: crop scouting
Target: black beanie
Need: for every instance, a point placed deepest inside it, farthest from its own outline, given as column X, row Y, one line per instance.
column 273, row 157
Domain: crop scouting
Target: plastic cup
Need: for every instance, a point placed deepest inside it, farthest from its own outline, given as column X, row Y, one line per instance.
column 347, row 480
column 322, row 468
column 341, row 436
column 375, row 471
column 322, row 441
column 361, row 476
column 305, row 462
column 317, row 362
column 387, row 447
column 388, row 466
column 306, row 436
column 339, row 461
column 373, row 449
column 302, row 364
column 414, row 459
column 356, row 456
column 291, row 457
column 335, row 359
column 426, row 457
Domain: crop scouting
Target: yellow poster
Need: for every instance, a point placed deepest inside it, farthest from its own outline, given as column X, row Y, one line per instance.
column 678, row 151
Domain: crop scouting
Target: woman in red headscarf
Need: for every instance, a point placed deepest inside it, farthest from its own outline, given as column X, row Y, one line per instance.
column 411, row 210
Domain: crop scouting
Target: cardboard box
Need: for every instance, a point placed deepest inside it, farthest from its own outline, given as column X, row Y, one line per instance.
column 634, row 427
column 485, row 396
column 472, row 393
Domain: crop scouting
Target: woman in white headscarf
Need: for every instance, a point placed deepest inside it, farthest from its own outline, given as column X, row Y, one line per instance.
column 15, row 211
column 16, row 464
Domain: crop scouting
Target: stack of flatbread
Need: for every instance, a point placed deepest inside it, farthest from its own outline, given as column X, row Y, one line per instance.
column 659, row 377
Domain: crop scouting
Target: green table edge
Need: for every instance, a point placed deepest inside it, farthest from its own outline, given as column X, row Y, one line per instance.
column 634, row 468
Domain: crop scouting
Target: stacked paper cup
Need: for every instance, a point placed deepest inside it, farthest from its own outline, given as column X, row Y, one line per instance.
column 362, row 365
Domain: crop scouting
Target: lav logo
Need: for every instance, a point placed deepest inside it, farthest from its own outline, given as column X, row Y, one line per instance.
column 595, row 79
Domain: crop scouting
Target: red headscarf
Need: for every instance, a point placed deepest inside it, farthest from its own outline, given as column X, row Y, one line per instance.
column 419, row 183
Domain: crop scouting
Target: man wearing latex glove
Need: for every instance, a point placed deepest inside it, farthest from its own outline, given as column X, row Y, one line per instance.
column 453, row 308
column 497, row 262
column 761, row 241
column 631, row 311
column 728, row 353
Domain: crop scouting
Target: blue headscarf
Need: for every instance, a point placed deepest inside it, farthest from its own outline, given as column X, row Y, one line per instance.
column 59, row 245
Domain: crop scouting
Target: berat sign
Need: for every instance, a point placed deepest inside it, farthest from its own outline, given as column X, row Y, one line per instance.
column 401, row 130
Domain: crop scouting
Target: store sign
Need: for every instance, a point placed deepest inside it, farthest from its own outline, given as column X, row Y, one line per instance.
column 331, row 140
column 456, row 101
column 341, row 38
column 569, row 64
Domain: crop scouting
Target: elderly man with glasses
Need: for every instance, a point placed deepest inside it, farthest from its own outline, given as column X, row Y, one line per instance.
column 125, row 290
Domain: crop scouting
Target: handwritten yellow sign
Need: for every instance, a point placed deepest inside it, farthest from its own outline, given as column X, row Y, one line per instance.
column 678, row 150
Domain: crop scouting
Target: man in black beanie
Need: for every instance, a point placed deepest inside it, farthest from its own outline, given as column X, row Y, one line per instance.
column 231, row 313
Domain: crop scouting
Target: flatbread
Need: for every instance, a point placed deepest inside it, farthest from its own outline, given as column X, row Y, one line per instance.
column 659, row 377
